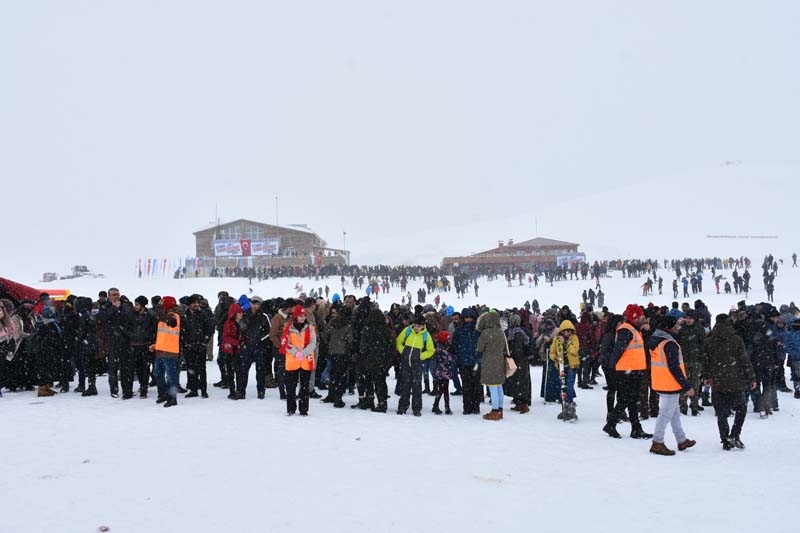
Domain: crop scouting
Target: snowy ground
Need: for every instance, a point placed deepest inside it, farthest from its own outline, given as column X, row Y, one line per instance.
column 76, row 464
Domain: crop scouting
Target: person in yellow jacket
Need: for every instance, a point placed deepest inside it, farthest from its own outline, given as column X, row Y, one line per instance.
column 167, row 350
column 564, row 352
column 414, row 344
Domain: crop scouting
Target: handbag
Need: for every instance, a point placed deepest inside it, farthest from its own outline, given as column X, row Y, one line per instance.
column 511, row 366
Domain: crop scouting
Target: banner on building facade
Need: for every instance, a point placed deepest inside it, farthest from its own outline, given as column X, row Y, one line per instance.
column 570, row 259
column 246, row 247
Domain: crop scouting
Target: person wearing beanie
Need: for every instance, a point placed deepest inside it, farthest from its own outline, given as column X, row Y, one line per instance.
column 298, row 342
column 629, row 362
column 276, row 330
column 255, row 346
column 197, row 328
column 668, row 378
column 375, row 354
column 463, row 345
column 443, row 371
column 143, row 334
column 518, row 386
column 729, row 372
column 415, row 345
column 691, row 338
column 230, row 348
column 565, row 355
column 167, row 351
column 220, row 317
column 47, row 357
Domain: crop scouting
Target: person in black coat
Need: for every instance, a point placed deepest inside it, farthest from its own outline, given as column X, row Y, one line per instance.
column 48, row 351
column 376, row 352
column 143, row 334
column 255, row 346
column 197, row 328
column 115, row 319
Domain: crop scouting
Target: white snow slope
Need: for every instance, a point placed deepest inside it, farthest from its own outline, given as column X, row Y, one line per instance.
column 77, row 464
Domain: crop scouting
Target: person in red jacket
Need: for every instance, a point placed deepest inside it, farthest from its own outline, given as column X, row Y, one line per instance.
column 230, row 346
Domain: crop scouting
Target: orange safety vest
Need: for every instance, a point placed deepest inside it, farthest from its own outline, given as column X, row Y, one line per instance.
column 299, row 341
column 633, row 358
column 661, row 379
column 167, row 338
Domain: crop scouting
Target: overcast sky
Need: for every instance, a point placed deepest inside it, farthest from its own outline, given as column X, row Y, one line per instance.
column 422, row 129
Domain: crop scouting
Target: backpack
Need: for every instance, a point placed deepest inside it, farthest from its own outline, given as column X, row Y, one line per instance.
column 424, row 336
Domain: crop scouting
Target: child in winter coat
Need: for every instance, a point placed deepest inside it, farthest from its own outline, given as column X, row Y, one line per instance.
column 443, row 371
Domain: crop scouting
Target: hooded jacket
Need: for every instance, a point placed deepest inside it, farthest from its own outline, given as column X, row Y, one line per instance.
column 571, row 349
column 726, row 361
column 231, row 335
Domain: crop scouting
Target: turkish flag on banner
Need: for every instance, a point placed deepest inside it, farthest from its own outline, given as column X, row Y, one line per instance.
column 245, row 244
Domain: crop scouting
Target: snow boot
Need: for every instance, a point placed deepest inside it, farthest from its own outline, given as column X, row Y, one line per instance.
column 705, row 401
column 611, row 429
column 170, row 402
column 638, row 433
column 659, row 448
column 91, row 390
column 44, row 391
column 686, row 444
column 569, row 413
column 381, row 408
column 494, row 414
column 523, row 408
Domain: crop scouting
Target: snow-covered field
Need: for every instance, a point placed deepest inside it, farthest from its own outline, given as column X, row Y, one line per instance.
column 75, row 464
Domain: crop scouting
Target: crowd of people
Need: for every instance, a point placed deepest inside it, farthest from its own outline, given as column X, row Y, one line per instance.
column 657, row 361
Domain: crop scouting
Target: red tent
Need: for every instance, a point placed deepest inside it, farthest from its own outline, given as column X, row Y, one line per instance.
column 17, row 291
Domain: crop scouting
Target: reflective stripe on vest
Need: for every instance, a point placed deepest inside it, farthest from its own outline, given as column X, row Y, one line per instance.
column 633, row 358
column 661, row 379
column 296, row 340
column 167, row 338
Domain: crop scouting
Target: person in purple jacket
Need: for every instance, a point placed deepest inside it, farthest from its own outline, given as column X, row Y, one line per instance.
column 443, row 371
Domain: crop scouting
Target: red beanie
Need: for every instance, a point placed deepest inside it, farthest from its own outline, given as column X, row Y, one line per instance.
column 442, row 337
column 632, row 312
column 298, row 310
column 168, row 302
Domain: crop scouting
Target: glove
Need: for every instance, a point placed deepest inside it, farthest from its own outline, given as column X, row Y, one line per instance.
column 475, row 368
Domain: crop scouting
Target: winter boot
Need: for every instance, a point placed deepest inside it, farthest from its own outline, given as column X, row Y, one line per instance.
column 436, row 410
column 685, row 445
column 638, row 433
column 44, row 391
column 523, row 408
column 569, row 413
column 170, row 402
column 381, row 408
column 797, row 394
column 64, row 386
column 659, row 448
column 705, row 402
column 91, row 390
column 494, row 414
column 611, row 429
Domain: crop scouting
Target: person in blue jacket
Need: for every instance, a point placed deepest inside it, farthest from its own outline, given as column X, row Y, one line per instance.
column 464, row 344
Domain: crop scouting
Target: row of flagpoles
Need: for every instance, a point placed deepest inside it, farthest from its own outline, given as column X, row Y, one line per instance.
column 155, row 268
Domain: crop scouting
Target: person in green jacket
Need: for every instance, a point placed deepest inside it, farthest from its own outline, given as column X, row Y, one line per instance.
column 415, row 345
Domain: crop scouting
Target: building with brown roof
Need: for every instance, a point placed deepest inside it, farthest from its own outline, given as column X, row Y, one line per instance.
column 246, row 243
column 533, row 254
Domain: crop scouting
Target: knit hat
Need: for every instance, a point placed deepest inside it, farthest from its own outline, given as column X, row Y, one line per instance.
column 142, row 300
column 256, row 299
column 168, row 302
column 632, row 312
column 419, row 320
column 668, row 322
column 244, row 302
column 193, row 299
column 298, row 310
column 443, row 337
